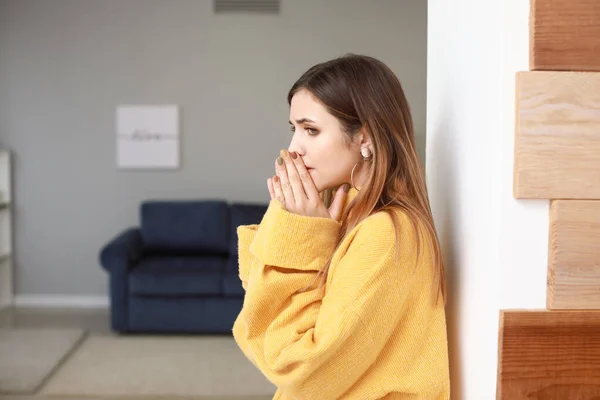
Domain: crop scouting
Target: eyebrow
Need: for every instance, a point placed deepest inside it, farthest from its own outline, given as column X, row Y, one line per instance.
column 302, row 120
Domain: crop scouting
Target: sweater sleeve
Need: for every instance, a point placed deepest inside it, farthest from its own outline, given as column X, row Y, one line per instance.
column 245, row 236
column 312, row 344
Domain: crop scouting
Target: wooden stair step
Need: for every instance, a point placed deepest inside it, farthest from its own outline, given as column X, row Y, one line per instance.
column 574, row 256
column 565, row 35
column 557, row 138
column 544, row 355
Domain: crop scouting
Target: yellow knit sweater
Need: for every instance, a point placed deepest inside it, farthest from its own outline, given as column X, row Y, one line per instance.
column 373, row 331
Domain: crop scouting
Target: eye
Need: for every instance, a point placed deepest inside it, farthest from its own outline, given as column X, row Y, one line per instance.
column 311, row 131
column 292, row 128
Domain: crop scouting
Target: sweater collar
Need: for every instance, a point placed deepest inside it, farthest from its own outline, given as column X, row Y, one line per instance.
column 350, row 196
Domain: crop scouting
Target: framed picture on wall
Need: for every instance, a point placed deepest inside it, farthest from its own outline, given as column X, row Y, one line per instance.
column 148, row 136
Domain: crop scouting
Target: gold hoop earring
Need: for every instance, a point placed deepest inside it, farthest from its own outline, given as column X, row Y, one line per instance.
column 366, row 153
column 352, row 177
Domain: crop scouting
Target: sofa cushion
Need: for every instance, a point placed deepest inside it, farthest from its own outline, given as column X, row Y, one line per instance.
column 243, row 214
column 177, row 276
column 190, row 226
column 184, row 315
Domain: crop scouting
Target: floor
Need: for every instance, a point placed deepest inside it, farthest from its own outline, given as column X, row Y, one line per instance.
column 95, row 321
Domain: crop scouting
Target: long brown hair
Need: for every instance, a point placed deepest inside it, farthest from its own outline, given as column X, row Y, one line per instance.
column 363, row 93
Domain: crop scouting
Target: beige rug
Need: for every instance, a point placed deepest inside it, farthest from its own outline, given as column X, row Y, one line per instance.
column 28, row 356
column 164, row 366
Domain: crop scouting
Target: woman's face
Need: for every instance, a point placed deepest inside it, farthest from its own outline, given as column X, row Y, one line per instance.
column 321, row 143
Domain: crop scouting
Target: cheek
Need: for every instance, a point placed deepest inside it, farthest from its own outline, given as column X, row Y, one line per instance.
column 329, row 156
column 336, row 164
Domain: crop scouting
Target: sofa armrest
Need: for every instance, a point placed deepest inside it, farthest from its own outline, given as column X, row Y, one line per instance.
column 122, row 252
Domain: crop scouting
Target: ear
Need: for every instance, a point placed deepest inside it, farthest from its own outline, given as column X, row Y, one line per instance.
column 363, row 138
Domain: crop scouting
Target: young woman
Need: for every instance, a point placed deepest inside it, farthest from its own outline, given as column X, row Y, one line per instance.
column 344, row 283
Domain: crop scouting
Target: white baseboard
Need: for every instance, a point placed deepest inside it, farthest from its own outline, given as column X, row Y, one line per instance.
column 57, row 301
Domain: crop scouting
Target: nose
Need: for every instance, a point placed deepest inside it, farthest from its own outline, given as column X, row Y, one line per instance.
column 296, row 146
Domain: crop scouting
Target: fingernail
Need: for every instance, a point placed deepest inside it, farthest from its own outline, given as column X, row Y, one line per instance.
column 346, row 187
column 276, row 178
column 294, row 155
column 283, row 153
column 279, row 160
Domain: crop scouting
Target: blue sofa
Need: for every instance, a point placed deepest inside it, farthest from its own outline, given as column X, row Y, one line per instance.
column 178, row 271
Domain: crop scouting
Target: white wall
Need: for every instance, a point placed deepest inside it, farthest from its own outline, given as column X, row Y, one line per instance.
column 495, row 246
column 66, row 64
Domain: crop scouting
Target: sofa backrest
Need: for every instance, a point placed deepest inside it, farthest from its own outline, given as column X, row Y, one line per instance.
column 242, row 214
column 198, row 226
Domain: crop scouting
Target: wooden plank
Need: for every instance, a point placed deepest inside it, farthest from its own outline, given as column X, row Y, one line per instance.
column 565, row 35
column 557, row 135
column 548, row 355
column 574, row 255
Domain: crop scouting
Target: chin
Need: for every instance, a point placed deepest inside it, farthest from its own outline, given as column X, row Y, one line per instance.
column 321, row 187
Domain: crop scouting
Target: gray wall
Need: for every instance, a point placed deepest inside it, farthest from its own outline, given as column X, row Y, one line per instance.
column 66, row 64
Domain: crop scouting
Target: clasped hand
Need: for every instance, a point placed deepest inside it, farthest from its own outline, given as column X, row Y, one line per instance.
column 295, row 189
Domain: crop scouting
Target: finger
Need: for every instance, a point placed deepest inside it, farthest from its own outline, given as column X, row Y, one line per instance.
column 270, row 186
column 337, row 205
column 284, row 181
column 294, row 177
column 277, row 190
column 306, row 180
